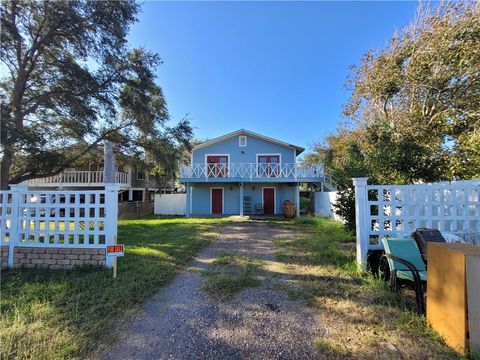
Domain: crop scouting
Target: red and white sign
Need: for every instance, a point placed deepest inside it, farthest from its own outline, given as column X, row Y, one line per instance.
column 115, row 250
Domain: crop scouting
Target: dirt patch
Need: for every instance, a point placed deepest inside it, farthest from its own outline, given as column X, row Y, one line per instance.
column 184, row 322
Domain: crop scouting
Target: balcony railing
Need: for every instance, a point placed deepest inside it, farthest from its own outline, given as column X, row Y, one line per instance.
column 91, row 178
column 251, row 171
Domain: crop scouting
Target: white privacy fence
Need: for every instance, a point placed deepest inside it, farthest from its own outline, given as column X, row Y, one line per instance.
column 58, row 219
column 324, row 202
column 170, row 204
column 397, row 210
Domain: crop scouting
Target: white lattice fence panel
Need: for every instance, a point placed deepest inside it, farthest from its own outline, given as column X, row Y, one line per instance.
column 392, row 210
column 6, row 199
column 58, row 219
column 62, row 218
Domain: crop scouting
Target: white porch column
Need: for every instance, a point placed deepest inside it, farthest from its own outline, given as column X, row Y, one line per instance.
column 361, row 220
column 241, row 199
column 297, row 200
column 187, row 205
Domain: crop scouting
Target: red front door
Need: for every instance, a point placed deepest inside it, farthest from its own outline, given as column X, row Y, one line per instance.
column 268, row 201
column 217, row 199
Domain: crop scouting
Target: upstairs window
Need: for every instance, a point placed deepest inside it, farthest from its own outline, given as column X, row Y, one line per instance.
column 268, row 165
column 217, row 166
column 140, row 175
column 242, row 141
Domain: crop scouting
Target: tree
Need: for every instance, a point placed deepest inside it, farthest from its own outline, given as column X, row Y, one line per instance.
column 417, row 99
column 413, row 113
column 71, row 82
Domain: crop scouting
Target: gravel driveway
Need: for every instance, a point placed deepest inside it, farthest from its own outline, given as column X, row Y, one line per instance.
column 183, row 322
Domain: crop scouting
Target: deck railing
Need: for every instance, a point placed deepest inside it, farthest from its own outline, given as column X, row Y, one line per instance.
column 78, row 177
column 251, row 171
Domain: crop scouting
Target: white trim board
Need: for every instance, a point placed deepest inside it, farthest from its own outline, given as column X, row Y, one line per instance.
column 271, row 154
column 274, row 199
column 223, row 198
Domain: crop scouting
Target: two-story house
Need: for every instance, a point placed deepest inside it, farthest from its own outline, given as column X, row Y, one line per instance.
column 244, row 173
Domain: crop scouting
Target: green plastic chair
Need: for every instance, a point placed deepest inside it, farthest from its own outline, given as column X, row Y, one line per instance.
column 406, row 263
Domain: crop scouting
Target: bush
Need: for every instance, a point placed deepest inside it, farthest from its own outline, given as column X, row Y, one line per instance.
column 345, row 207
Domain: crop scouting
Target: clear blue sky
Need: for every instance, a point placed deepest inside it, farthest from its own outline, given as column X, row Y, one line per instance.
column 277, row 68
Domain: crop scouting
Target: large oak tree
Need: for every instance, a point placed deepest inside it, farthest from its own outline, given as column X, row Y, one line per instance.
column 69, row 80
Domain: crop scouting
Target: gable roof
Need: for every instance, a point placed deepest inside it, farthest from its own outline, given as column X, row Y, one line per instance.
column 298, row 149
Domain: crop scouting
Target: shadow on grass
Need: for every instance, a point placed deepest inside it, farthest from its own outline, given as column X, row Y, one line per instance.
column 332, row 284
column 64, row 314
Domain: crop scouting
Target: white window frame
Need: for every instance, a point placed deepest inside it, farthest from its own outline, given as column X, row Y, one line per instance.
column 228, row 162
column 240, row 140
column 223, row 198
column 279, row 163
column 274, row 199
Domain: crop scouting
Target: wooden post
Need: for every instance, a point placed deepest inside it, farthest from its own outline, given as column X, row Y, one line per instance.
column 115, row 260
column 361, row 219
column 109, row 163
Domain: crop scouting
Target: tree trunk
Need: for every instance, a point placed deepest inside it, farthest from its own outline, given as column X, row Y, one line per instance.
column 5, row 169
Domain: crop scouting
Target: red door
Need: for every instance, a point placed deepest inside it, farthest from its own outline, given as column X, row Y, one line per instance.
column 217, row 197
column 268, row 201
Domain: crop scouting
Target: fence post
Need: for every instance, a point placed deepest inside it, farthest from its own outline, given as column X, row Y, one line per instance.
column 111, row 219
column 361, row 220
column 187, row 200
column 15, row 221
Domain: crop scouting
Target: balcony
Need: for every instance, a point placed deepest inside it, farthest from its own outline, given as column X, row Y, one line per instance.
column 77, row 179
column 251, row 172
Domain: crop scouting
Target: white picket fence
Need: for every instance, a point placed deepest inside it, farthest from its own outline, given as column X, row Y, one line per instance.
column 58, row 219
column 397, row 210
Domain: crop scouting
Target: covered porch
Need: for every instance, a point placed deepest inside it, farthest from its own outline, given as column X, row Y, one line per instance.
column 242, row 199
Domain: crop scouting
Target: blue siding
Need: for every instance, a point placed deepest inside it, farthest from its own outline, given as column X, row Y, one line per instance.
column 201, row 198
column 231, row 192
column 245, row 154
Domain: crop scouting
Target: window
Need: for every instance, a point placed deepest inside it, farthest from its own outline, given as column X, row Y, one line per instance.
column 268, row 165
column 140, row 175
column 242, row 141
column 217, row 165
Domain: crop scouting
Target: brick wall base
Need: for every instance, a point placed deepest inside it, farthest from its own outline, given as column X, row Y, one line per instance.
column 53, row 258
column 3, row 256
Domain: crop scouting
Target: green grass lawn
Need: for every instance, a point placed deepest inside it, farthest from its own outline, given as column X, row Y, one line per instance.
column 65, row 314
column 363, row 318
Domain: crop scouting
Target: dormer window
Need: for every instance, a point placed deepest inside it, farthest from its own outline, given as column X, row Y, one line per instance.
column 242, row 141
